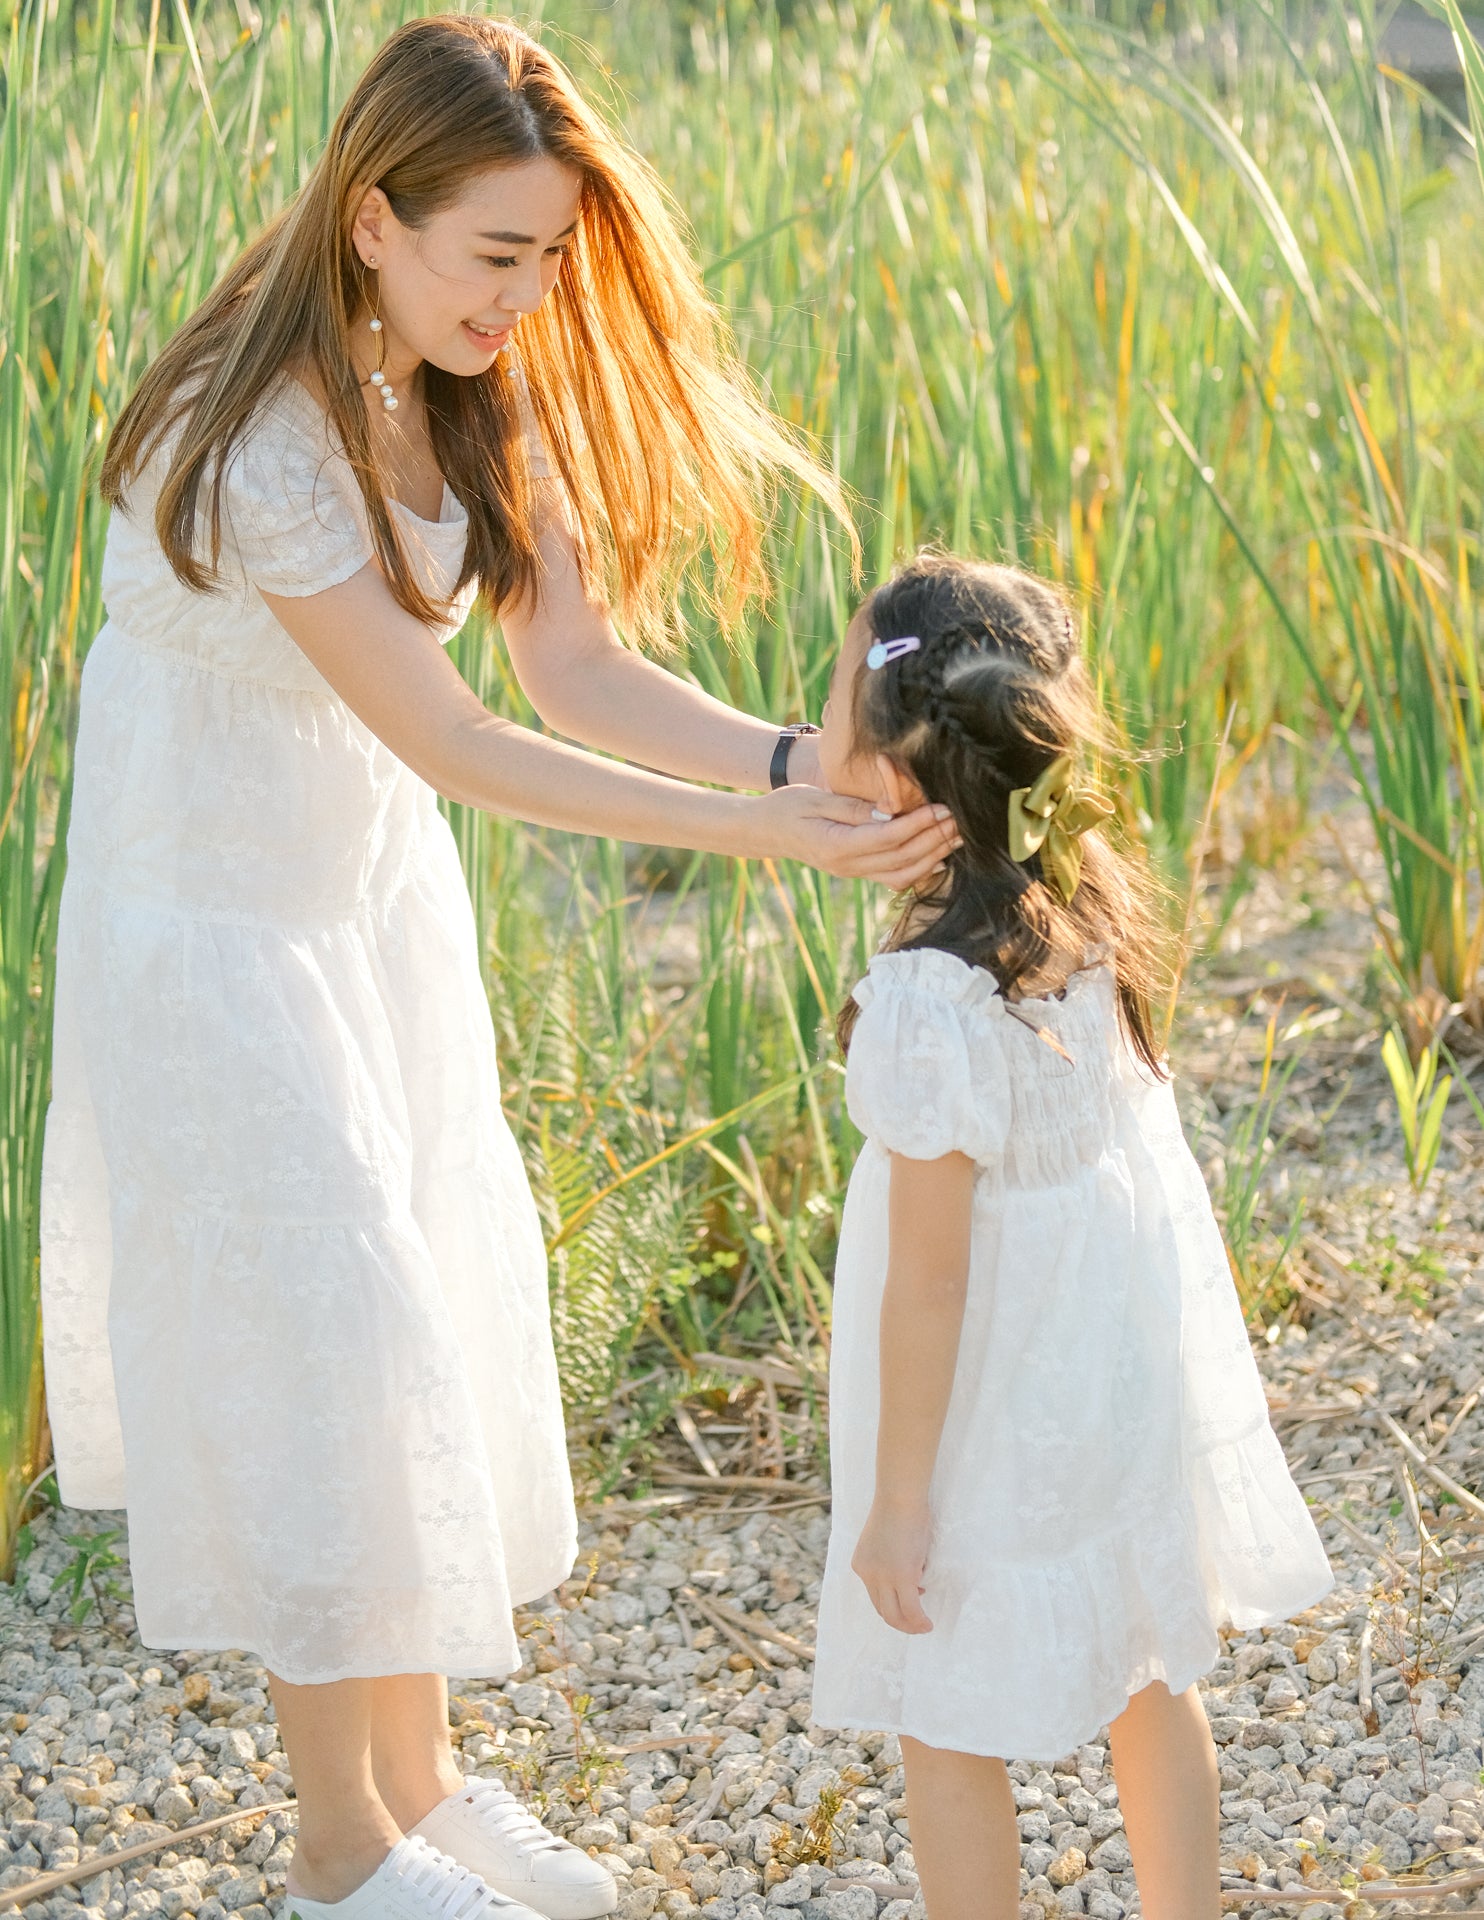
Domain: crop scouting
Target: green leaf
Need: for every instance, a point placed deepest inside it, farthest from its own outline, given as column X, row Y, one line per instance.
column 1432, row 1130
column 1403, row 1085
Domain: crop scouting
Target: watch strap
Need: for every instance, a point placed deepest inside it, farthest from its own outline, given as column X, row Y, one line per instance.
column 778, row 767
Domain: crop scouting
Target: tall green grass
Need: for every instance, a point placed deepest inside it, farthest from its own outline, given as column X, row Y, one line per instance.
column 1185, row 319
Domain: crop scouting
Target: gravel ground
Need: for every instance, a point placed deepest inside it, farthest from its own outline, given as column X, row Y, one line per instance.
column 662, row 1716
column 1350, row 1738
column 104, row 1744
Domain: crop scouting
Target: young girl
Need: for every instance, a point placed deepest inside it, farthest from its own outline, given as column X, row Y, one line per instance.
column 1054, row 1474
column 293, row 1280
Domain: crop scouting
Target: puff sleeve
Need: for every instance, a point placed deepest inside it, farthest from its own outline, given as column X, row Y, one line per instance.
column 926, row 1073
column 291, row 509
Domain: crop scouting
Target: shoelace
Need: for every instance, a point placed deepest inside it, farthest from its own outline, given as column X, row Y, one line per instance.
column 503, row 1817
column 448, row 1890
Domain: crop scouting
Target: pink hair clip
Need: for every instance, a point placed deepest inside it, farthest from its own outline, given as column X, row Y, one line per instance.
column 885, row 650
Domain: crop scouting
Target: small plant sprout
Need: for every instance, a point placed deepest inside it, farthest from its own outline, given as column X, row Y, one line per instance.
column 819, row 1839
column 524, row 1765
column 534, row 1770
column 1246, row 1154
column 1421, row 1101
column 1410, row 1627
column 94, row 1557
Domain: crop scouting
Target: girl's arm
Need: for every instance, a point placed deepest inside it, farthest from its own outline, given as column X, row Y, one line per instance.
column 396, row 678
column 922, row 1311
column 584, row 682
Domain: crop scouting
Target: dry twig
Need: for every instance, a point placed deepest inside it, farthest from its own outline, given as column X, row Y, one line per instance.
column 741, row 1482
column 690, row 1433
column 758, row 1629
column 1425, row 1461
column 30, row 1890
column 710, row 1611
column 1368, row 1890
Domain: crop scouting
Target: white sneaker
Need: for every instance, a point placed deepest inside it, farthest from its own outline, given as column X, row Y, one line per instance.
column 488, row 1829
column 414, row 1882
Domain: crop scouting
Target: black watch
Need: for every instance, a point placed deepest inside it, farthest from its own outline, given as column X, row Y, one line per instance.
column 778, row 770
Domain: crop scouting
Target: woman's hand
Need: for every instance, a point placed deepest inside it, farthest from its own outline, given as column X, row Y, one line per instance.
column 837, row 833
column 398, row 681
column 891, row 1558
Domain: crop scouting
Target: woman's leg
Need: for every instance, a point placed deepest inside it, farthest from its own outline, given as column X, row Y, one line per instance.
column 412, row 1758
column 345, row 1830
column 1164, row 1762
column 965, row 1839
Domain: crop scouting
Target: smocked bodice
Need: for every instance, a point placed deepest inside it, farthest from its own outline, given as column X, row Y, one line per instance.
column 293, row 522
column 941, row 1061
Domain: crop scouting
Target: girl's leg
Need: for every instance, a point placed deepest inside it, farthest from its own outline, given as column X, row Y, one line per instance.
column 965, row 1839
column 412, row 1758
column 345, row 1830
column 1164, row 1762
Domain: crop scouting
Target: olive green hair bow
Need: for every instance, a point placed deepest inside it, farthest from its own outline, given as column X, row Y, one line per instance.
column 1049, row 817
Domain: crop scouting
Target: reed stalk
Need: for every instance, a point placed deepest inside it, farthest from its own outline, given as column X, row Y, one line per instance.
column 1185, row 321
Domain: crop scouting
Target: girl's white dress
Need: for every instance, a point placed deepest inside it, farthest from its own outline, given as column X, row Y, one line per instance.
column 293, row 1279
column 1108, row 1488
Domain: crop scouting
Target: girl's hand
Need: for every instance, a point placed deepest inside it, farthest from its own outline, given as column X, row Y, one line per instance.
column 835, row 832
column 891, row 1557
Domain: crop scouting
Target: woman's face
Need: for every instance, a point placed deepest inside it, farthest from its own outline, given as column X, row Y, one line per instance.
column 453, row 291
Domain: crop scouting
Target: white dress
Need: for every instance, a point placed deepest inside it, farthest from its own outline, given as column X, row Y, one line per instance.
column 1108, row 1487
column 293, row 1280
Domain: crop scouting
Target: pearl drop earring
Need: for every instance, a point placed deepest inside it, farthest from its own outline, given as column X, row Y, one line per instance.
column 379, row 379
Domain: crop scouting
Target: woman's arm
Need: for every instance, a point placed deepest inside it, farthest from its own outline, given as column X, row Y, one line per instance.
column 396, row 678
column 584, row 682
column 922, row 1311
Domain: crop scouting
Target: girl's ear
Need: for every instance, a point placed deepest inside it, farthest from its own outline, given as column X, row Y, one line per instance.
column 900, row 793
column 369, row 225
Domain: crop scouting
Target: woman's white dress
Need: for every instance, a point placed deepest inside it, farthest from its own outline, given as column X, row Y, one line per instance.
column 294, row 1289
column 1108, row 1488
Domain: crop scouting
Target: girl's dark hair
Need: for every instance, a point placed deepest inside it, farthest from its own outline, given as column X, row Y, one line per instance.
column 996, row 691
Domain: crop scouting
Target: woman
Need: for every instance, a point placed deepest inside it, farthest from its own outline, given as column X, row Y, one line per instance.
column 293, row 1282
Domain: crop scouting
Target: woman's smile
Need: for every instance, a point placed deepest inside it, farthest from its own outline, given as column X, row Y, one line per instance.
column 489, row 339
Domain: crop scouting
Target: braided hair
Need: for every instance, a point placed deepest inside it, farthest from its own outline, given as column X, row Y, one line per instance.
column 995, row 692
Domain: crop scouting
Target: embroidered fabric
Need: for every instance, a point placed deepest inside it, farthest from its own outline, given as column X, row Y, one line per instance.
column 294, row 1293
column 1108, row 1488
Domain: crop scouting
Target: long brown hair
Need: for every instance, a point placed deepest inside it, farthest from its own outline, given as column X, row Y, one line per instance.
column 996, row 691
column 663, row 444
